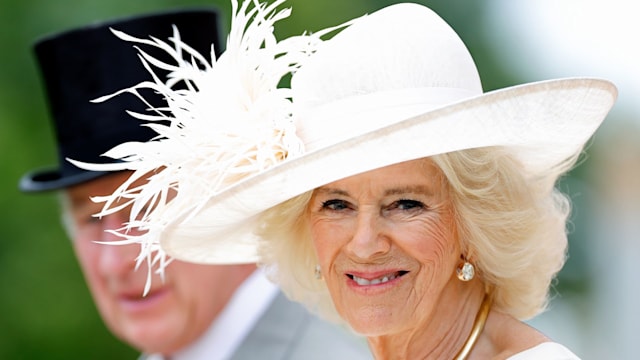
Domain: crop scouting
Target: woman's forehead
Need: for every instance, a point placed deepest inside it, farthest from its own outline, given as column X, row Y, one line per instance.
column 419, row 176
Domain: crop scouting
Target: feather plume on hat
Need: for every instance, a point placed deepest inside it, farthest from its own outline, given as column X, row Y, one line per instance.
column 231, row 103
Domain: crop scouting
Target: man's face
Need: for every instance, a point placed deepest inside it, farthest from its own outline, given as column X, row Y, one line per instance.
column 175, row 312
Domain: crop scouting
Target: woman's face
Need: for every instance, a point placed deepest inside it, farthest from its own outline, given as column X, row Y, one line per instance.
column 387, row 246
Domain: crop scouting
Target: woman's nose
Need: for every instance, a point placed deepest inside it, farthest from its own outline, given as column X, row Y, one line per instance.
column 369, row 240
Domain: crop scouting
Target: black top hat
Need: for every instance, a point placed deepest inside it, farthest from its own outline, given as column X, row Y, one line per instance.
column 83, row 64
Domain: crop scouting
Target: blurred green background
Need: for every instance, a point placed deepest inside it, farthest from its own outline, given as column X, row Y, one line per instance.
column 45, row 308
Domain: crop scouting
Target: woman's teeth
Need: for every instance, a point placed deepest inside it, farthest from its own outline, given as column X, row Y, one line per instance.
column 381, row 280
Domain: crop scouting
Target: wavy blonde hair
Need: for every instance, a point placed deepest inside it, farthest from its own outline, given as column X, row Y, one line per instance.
column 511, row 225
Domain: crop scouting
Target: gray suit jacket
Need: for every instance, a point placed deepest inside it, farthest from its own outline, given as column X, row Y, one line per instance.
column 287, row 331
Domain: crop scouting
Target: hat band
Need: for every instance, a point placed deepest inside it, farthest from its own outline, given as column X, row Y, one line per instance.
column 347, row 118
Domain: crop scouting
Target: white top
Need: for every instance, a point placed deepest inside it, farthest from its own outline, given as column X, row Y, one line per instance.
column 546, row 351
column 234, row 323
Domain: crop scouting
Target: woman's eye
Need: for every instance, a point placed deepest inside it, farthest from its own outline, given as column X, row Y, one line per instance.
column 409, row 204
column 335, row 205
column 406, row 205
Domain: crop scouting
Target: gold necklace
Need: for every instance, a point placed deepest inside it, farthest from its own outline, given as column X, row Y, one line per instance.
column 478, row 325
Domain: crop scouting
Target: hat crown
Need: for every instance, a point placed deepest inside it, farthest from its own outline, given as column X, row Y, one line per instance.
column 397, row 37
column 418, row 61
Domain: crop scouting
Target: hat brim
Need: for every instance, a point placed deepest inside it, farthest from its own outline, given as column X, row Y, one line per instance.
column 53, row 179
column 543, row 123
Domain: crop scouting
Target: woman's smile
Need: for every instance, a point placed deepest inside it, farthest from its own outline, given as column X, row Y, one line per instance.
column 369, row 280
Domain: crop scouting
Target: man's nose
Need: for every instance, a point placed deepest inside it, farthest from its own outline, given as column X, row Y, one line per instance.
column 114, row 258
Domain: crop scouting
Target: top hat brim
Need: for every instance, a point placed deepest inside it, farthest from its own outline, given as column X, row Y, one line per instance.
column 52, row 179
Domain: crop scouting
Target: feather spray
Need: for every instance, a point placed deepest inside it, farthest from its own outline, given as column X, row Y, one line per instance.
column 223, row 121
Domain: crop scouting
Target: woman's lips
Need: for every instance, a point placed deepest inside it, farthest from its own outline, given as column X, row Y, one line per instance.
column 376, row 279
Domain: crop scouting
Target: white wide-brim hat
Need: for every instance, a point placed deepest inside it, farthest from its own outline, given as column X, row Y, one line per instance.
column 395, row 85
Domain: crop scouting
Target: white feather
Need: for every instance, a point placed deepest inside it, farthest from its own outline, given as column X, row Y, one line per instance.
column 230, row 121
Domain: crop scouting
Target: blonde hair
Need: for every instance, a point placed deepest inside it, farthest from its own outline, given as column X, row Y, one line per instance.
column 288, row 257
column 511, row 225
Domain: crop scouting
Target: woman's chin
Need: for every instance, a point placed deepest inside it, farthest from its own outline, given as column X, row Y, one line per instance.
column 375, row 322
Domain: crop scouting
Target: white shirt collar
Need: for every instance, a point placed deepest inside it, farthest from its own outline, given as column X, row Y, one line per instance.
column 234, row 323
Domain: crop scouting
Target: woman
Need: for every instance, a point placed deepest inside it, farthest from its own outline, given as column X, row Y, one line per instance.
column 422, row 255
column 419, row 210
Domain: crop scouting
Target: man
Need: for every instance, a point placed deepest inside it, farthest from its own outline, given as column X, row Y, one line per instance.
column 197, row 311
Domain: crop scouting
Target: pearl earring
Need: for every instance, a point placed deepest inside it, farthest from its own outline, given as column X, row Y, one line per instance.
column 318, row 272
column 465, row 271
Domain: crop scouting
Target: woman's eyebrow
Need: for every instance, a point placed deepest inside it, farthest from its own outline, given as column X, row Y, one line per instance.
column 410, row 189
column 331, row 191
